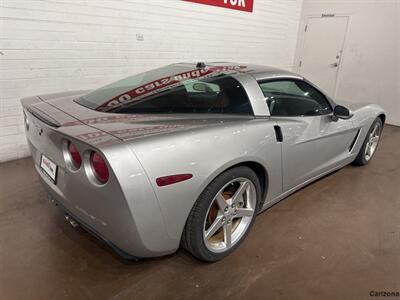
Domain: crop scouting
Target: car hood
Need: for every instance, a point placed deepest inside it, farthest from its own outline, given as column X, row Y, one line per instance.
column 351, row 105
column 131, row 126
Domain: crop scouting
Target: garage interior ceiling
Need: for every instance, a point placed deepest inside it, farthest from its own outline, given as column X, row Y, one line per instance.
column 51, row 46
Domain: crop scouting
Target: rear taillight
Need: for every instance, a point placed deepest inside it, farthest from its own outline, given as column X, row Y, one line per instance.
column 99, row 167
column 75, row 155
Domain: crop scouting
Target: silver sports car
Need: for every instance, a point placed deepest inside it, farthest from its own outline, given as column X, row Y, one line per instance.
column 189, row 154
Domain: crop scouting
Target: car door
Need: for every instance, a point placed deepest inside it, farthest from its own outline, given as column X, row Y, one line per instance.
column 312, row 142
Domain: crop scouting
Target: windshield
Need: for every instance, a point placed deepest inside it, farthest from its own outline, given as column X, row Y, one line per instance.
column 173, row 89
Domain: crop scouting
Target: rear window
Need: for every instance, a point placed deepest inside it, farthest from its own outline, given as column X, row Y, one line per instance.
column 209, row 90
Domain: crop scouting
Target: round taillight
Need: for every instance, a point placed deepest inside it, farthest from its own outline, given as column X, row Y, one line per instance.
column 99, row 167
column 75, row 155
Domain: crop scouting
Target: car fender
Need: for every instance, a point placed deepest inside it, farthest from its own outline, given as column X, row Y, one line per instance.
column 191, row 152
column 363, row 117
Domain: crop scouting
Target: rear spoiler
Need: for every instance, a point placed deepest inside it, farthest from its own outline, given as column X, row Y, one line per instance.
column 42, row 116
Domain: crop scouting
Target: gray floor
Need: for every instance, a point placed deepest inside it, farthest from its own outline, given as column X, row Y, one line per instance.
column 338, row 238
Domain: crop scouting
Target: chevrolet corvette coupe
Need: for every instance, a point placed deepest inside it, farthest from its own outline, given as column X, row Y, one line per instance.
column 189, row 154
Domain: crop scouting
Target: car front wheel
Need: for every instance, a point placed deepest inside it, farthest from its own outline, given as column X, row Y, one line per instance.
column 223, row 214
column 370, row 144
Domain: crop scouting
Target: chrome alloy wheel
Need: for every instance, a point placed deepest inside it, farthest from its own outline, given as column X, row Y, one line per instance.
column 373, row 140
column 229, row 215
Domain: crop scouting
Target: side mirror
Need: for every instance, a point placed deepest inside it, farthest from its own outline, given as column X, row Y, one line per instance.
column 341, row 112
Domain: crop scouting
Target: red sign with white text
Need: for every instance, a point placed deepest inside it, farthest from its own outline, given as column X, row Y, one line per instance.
column 243, row 5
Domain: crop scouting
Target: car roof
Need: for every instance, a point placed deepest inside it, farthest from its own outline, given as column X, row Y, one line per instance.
column 257, row 71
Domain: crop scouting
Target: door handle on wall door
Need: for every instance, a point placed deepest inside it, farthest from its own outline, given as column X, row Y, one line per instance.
column 334, row 65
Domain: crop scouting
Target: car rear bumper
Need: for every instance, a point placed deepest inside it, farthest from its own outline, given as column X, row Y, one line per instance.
column 124, row 212
column 88, row 228
column 120, row 234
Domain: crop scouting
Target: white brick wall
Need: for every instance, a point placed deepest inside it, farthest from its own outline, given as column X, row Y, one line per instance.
column 57, row 45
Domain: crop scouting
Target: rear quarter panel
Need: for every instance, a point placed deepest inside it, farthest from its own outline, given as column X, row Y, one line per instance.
column 205, row 153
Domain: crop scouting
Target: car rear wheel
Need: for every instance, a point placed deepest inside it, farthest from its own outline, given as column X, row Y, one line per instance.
column 370, row 144
column 223, row 214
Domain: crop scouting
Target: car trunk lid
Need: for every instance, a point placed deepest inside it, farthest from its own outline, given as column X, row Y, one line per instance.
column 47, row 127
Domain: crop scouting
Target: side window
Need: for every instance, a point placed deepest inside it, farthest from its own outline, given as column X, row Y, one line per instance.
column 294, row 98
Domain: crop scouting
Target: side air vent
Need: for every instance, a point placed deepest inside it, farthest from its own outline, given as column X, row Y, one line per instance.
column 353, row 143
column 278, row 134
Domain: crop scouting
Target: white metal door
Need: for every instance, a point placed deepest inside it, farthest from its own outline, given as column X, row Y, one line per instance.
column 322, row 50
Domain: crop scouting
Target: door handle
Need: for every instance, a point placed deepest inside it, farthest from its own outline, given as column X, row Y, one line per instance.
column 334, row 65
column 278, row 134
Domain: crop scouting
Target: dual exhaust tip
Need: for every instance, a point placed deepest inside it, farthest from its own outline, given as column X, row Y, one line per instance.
column 71, row 221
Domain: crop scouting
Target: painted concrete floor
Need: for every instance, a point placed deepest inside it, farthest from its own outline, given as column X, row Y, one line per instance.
column 338, row 238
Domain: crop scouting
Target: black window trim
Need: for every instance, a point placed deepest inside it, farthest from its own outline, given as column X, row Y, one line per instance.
column 329, row 100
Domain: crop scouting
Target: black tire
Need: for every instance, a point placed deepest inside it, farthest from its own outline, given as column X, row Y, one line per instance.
column 192, row 237
column 361, row 159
